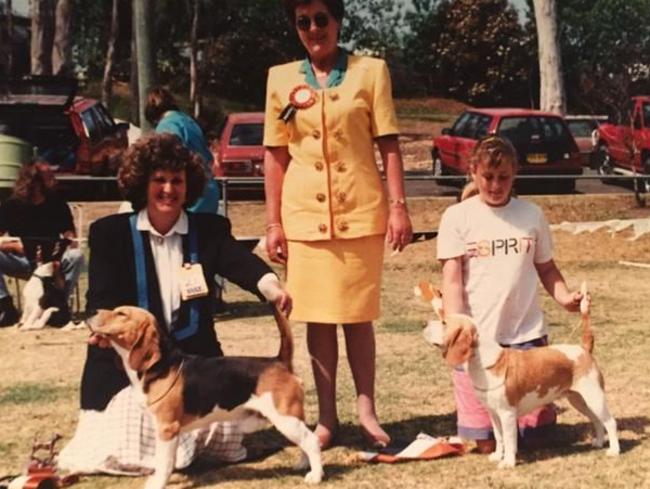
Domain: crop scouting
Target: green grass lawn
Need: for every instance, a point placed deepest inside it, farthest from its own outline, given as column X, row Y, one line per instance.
column 39, row 378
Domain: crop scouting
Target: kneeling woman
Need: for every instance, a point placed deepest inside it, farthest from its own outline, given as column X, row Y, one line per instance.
column 136, row 259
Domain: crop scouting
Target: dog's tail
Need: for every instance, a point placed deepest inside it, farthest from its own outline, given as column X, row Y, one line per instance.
column 285, row 355
column 587, row 333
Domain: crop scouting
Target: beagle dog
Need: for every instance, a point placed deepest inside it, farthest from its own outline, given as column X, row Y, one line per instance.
column 511, row 383
column 44, row 300
column 183, row 392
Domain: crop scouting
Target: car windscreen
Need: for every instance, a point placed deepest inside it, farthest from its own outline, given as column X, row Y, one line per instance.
column 582, row 128
column 527, row 131
column 247, row 134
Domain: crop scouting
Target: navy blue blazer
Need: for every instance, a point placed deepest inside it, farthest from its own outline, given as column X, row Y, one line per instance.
column 112, row 283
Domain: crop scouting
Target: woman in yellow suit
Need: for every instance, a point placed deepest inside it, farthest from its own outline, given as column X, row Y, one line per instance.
column 327, row 212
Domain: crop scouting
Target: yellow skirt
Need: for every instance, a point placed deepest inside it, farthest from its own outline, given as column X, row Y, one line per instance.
column 336, row 281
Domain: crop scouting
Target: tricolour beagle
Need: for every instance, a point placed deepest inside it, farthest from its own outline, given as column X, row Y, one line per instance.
column 511, row 383
column 184, row 392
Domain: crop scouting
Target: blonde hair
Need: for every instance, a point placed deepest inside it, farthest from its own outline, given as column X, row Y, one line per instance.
column 493, row 151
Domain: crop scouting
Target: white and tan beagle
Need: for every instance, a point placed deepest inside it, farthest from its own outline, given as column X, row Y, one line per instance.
column 184, row 392
column 511, row 383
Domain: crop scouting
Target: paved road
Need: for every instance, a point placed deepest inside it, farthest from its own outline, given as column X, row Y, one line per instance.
column 423, row 188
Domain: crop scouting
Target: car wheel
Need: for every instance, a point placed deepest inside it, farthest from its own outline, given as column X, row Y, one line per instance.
column 603, row 162
column 644, row 183
column 436, row 167
column 568, row 186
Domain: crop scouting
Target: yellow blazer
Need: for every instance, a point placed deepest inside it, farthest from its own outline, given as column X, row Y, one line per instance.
column 332, row 187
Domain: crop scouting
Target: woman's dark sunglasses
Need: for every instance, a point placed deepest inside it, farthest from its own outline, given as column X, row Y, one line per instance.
column 321, row 19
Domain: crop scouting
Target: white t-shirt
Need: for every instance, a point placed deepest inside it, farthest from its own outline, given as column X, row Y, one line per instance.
column 499, row 246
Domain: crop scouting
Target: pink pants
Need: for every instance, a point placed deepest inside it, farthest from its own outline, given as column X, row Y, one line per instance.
column 473, row 421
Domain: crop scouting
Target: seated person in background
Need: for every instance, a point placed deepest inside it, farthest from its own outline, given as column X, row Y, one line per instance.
column 136, row 259
column 34, row 211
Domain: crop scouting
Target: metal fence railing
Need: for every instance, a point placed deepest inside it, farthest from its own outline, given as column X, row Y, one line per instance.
column 640, row 183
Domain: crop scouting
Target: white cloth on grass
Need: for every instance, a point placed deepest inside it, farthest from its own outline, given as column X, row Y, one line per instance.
column 121, row 440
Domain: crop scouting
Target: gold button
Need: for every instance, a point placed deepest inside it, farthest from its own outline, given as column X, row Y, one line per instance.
column 320, row 197
column 342, row 197
column 319, row 165
column 341, row 167
column 343, row 226
column 338, row 134
column 322, row 228
column 334, row 96
column 315, row 133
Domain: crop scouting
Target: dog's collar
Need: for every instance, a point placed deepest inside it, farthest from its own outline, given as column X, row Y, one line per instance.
column 488, row 389
column 161, row 397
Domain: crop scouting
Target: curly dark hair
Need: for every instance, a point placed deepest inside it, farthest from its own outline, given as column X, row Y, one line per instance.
column 31, row 178
column 335, row 8
column 159, row 152
column 159, row 101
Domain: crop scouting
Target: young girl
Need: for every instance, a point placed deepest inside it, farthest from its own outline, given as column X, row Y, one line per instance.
column 493, row 247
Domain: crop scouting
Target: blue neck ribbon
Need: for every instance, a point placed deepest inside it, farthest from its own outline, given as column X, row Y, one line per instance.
column 141, row 275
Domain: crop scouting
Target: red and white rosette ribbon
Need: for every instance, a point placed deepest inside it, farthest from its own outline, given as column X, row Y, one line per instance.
column 302, row 97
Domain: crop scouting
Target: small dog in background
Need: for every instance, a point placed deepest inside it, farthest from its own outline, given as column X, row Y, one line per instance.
column 44, row 298
column 511, row 383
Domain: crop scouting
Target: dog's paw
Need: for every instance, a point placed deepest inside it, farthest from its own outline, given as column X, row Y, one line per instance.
column 597, row 442
column 495, row 457
column 613, row 452
column 303, row 462
column 507, row 463
column 314, row 476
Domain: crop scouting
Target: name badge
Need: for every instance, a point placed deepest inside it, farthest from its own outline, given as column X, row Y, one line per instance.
column 192, row 281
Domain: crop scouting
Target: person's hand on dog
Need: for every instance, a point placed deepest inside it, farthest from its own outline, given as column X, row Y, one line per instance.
column 99, row 340
column 571, row 300
column 284, row 302
column 274, row 292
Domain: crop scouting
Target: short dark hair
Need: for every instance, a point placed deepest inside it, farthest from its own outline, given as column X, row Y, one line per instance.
column 159, row 101
column 159, row 152
column 335, row 8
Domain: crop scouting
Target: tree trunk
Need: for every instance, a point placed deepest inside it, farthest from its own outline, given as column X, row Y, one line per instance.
column 552, row 97
column 141, row 10
column 195, row 97
column 133, row 82
column 62, row 48
column 42, row 37
column 10, row 37
column 107, row 81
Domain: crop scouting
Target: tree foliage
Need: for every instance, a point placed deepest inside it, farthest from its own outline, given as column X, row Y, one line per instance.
column 474, row 50
column 605, row 48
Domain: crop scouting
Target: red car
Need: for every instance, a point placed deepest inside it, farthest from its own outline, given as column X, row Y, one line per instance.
column 74, row 134
column 585, row 132
column 239, row 150
column 542, row 140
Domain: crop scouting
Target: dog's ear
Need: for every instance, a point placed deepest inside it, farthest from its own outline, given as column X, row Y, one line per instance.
column 459, row 348
column 145, row 351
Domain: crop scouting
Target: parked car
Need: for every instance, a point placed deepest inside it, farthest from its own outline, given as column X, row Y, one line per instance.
column 239, row 151
column 625, row 149
column 542, row 140
column 74, row 134
column 584, row 129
